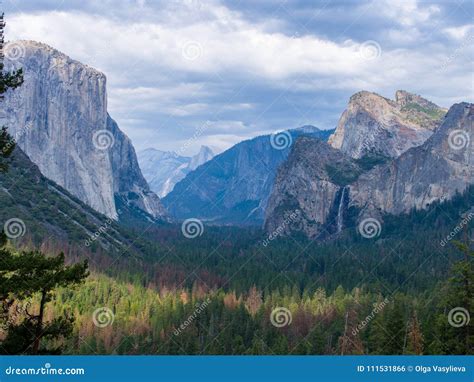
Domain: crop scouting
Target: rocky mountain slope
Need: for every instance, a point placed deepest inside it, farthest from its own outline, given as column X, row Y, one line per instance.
column 163, row 169
column 325, row 188
column 379, row 127
column 59, row 119
column 437, row 170
column 37, row 209
column 310, row 185
column 234, row 186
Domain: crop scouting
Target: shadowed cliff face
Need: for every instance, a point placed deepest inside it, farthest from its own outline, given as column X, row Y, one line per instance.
column 374, row 125
column 313, row 181
column 322, row 183
column 59, row 119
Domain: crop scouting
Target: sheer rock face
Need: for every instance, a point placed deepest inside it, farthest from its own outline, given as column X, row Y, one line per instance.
column 432, row 172
column 311, row 182
column 374, row 125
column 322, row 183
column 55, row 115
column 204, row 155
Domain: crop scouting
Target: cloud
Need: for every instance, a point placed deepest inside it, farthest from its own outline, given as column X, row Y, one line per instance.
column 171, row 66
column 460, row 32
column 215, row 48
column 407, row 13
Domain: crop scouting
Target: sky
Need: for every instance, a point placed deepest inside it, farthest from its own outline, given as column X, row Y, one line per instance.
column 181, row 74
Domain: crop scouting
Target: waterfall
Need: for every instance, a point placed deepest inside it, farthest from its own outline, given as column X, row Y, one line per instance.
column 340, row 211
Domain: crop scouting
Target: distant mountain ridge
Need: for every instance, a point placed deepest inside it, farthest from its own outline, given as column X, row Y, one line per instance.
column 59, row 118
column 163, row 169
column 234, row 187
column 385, row 157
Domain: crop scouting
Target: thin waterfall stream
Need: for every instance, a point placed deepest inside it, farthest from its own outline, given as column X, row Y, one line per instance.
column 340, row 211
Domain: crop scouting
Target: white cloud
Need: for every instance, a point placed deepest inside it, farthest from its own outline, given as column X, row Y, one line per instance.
column 243, row 48
column 460, row 32
column 141, row 51
column 407, row 12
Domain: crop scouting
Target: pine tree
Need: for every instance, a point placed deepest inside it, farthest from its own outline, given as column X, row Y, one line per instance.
column 415, row 337
column 454, row 329
column 350, row 342
column 395, row 328
column 28, row 275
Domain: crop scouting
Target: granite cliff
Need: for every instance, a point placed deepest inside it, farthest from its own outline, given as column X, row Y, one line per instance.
column 429, row 163
column 379, row 127
column 59, row 119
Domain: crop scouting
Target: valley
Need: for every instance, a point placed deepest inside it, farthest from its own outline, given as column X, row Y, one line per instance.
column 284, row 243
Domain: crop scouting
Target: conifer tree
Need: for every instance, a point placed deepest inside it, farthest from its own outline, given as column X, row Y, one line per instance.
column 31, row 274
column 415, row 337
column 454, row 329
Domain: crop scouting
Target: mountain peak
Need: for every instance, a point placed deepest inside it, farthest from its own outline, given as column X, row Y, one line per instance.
column 375, row 125
column 365, row 96
column 306, row 129
column 205, row 154
column 35, row 44
column 321, row 183
column 52, row 57
column 163, row 169
column 72, row 139
column 435, row 171
column 405, row 99
column 205, row 149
